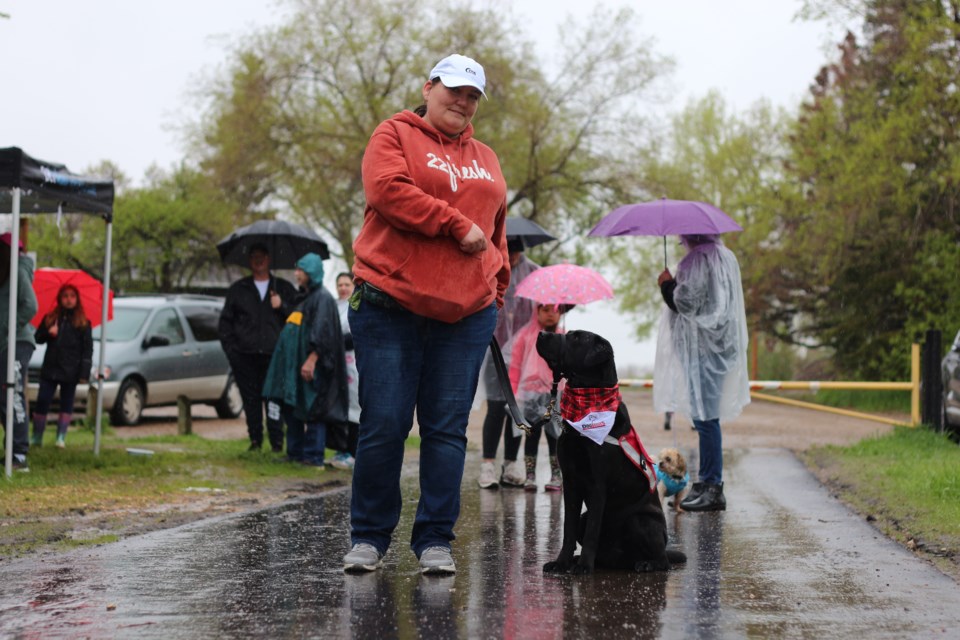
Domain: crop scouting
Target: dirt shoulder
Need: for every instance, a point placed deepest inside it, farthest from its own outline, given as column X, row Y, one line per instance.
column 762, row 425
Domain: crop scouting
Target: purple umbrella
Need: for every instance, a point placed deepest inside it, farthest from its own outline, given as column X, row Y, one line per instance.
column 665, row 217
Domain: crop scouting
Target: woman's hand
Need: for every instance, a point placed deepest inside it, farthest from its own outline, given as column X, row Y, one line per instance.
column 308, row 367
column 666, row 275
column 474, row 241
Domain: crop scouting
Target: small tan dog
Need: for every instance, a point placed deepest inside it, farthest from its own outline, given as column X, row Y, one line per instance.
column 672, row 477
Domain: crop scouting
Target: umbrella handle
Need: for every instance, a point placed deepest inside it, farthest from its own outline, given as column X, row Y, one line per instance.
column 664, row 252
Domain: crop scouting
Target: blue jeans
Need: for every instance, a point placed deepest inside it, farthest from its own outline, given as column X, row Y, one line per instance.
column 711, row 450
column 306, row 441
column 407, row 362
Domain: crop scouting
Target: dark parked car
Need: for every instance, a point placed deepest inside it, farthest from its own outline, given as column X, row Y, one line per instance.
column 158, row 348
column 951, row 387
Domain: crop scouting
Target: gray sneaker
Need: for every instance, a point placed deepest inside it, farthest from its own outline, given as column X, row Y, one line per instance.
column 437, row 560
column 362, row 557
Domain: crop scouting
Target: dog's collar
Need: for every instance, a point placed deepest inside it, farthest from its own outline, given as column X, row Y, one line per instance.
column 577, row 403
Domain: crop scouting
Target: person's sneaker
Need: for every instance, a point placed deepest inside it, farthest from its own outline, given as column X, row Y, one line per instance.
column 512, row 475
column 255, row 446
column 61, row 442
column 36, row 440
column 437, row 560
column 342, row 460
column 362, row 557
column 20, row 463
column 488, row 479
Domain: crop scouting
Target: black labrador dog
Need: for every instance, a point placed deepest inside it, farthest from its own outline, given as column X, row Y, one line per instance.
column 623, row 526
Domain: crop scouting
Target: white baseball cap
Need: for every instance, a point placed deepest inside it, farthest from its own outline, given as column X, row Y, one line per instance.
column 459, row 71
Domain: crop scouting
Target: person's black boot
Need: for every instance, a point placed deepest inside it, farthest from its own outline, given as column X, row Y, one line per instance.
column 695, row 490
column 710, row 499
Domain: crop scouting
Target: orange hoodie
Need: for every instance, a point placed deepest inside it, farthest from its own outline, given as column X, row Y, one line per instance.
column 424, row 191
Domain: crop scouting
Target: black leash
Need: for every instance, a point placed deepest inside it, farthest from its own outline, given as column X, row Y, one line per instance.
column 553, row 409
column 504, row 377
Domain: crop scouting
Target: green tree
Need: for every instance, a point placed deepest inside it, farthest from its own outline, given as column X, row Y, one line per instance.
column 287, row 125
column 713, row 155
column 164, row 235
column 872, row 193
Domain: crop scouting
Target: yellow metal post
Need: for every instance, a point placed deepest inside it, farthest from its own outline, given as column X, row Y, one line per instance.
column 915, row 381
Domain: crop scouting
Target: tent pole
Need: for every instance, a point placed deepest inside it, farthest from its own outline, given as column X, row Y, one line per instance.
column 103, row 335
column 12, row 331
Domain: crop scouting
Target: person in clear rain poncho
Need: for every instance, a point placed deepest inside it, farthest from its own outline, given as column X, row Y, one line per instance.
column 701, row 362
column 511, row 318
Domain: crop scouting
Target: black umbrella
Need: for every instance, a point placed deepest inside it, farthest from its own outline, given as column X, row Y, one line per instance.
column 286, row 243
column 527, row 231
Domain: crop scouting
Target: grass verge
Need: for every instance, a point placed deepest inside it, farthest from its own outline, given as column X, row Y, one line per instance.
column 71, row 497
column 907, row 483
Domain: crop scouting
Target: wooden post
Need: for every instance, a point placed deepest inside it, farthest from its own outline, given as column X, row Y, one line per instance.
column 184, row 419
column 915, row 384
column 91, row 404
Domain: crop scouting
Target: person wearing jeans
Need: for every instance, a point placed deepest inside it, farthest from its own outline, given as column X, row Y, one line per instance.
column 511, row 318
column 307, row 373
column 701, row 365
column 306, row 441
column 409, row 363
column 431, row 270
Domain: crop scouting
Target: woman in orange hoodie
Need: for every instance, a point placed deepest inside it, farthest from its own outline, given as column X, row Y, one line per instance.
column 431, row 269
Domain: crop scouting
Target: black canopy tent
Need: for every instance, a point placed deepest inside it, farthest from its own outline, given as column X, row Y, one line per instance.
column 29, row 186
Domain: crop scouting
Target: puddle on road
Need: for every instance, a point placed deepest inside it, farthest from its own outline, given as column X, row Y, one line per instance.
column 758, row 569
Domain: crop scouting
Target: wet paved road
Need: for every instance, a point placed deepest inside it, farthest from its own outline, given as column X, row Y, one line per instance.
column 785, row 560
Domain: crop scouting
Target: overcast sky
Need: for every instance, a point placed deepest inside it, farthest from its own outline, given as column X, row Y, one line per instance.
column 89, row 80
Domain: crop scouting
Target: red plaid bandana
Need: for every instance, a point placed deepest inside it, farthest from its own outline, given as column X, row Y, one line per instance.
column 577, row 403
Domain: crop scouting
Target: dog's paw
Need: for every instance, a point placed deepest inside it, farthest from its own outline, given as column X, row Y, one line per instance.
column 675, row 556
column 580, row 570
column 647, row 566
column 556, row 566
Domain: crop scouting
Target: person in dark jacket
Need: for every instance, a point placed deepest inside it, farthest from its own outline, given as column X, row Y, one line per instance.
column 252, row 317
column 66, row 363
column 308, row 373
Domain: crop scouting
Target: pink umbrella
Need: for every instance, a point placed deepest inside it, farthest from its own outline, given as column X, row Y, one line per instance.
column 564, row 284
